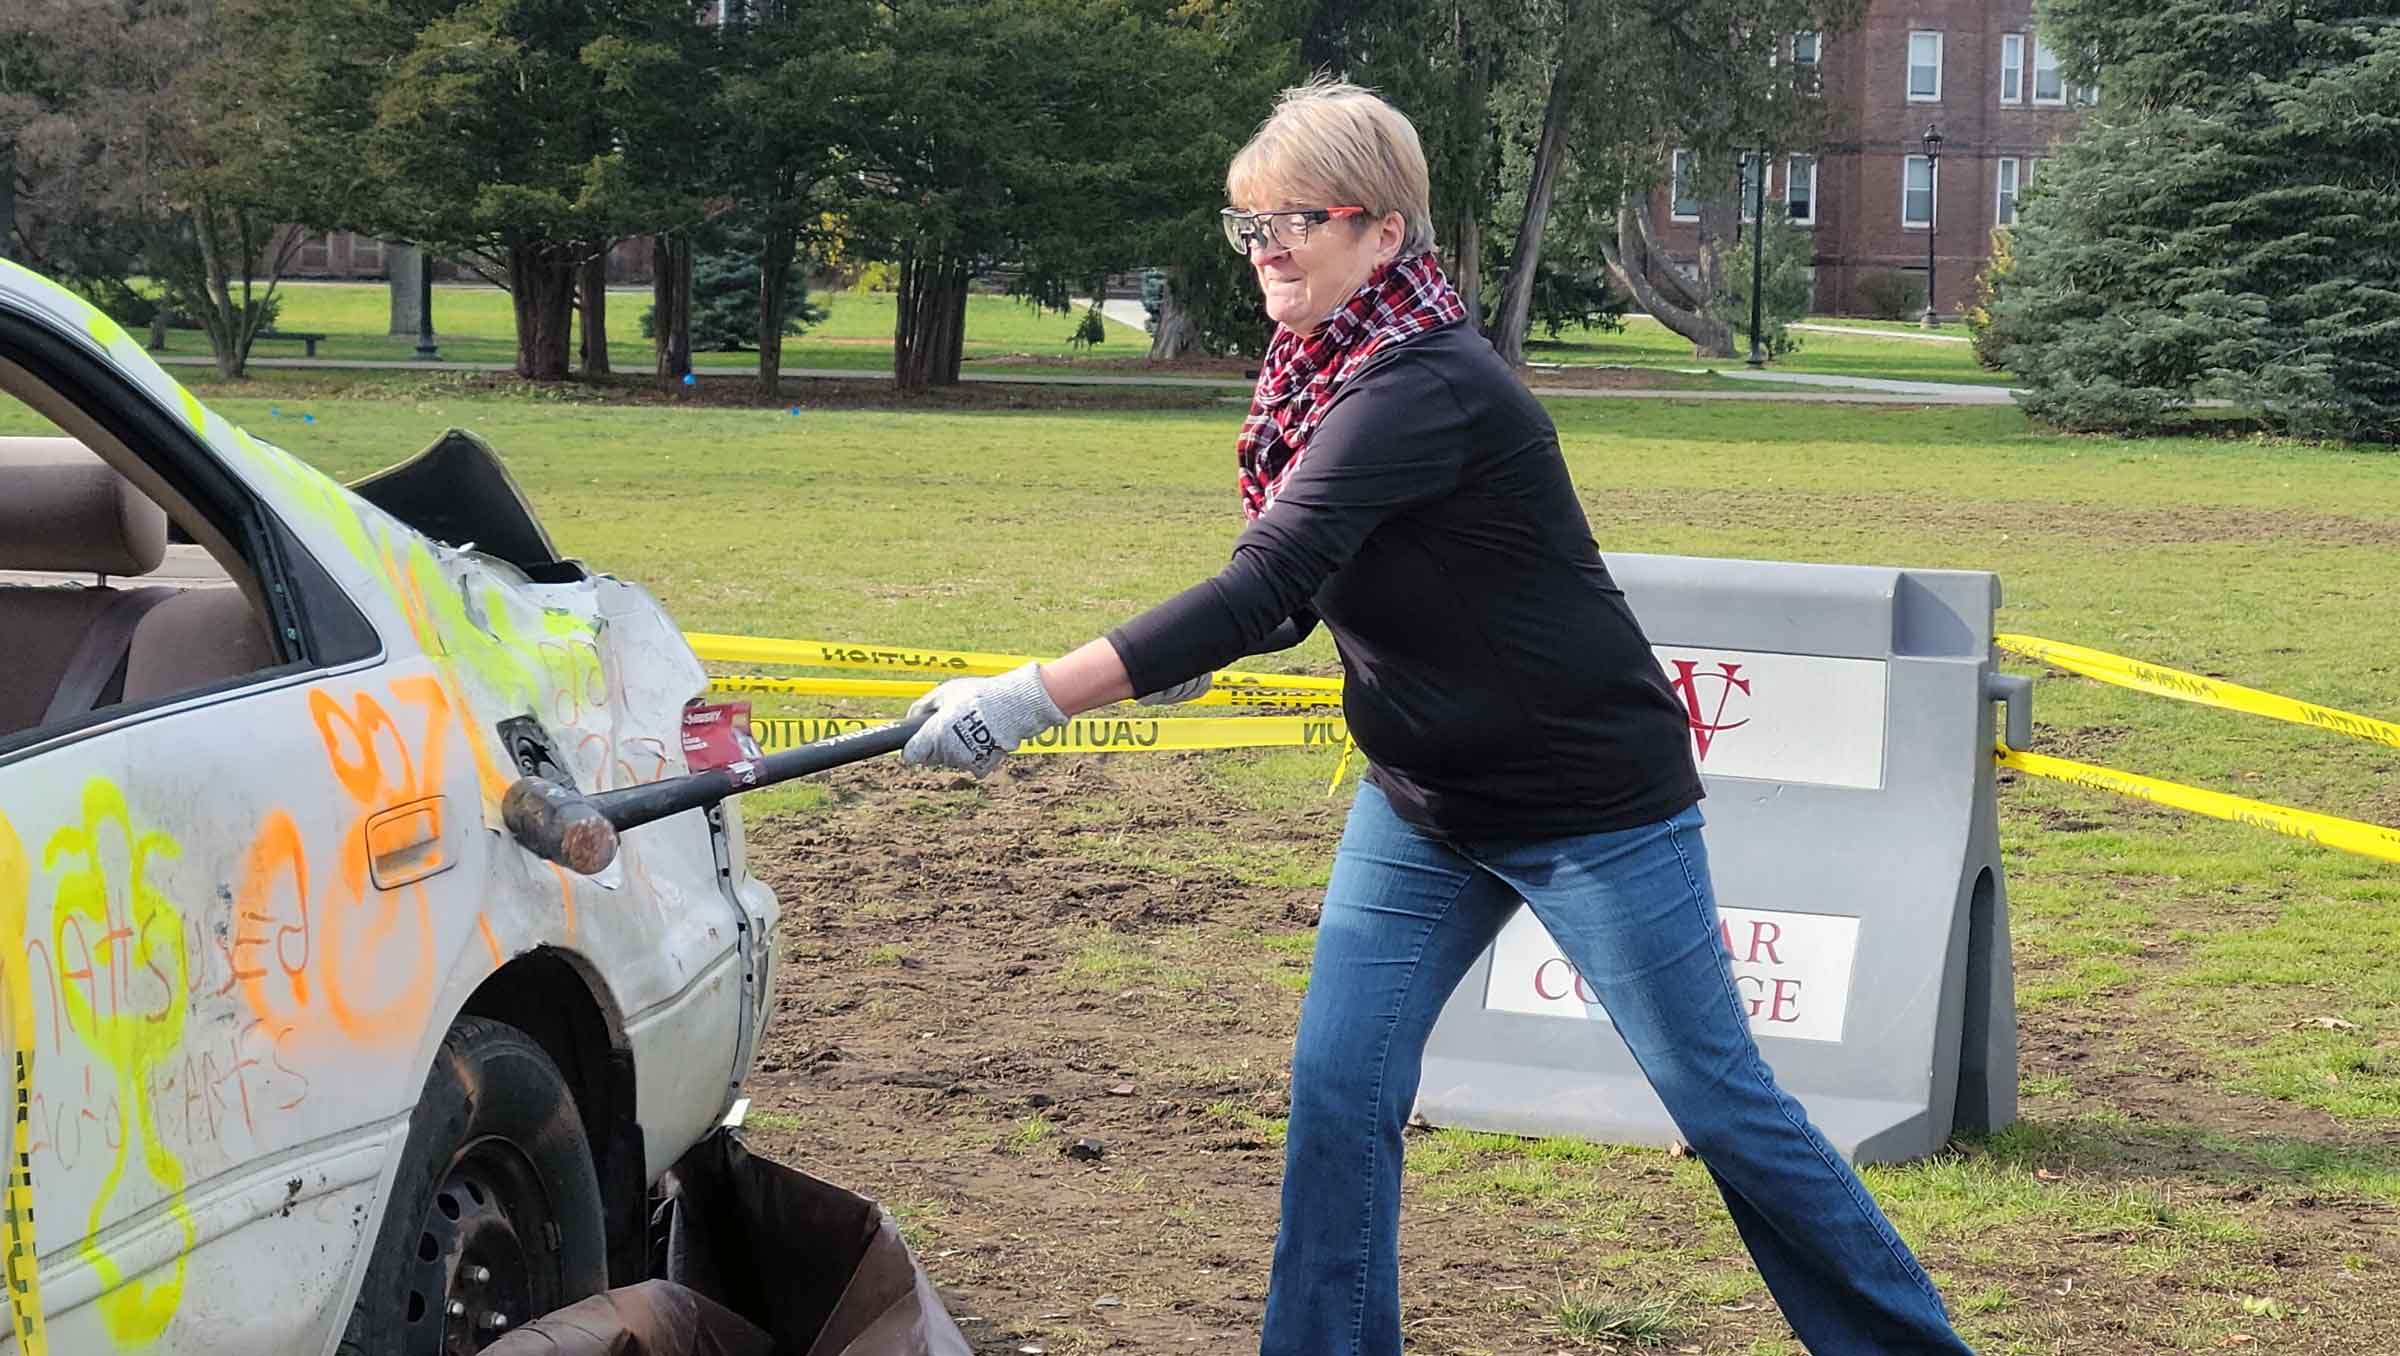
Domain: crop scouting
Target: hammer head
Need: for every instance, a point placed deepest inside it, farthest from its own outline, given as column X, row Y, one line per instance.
column 556, row 824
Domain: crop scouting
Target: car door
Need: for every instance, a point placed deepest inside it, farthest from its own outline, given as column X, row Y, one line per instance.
column 226, row 891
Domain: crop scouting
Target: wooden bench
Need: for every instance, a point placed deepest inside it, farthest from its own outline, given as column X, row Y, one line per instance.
column 302, row 336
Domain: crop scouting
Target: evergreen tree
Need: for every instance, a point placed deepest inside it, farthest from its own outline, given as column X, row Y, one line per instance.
column 727, row 282
column 1787, row 284
column 2227, row 223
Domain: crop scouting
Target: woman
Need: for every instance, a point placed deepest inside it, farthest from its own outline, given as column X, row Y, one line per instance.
column 1402, row 485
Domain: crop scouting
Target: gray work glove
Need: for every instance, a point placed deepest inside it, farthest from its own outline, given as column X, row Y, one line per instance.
column 978, row 721
column 1180, row 692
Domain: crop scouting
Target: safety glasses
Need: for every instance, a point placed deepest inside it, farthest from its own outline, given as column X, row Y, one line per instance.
column 1284, row 230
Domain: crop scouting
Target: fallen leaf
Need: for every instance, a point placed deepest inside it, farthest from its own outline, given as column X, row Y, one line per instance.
column 2045, row 1175
column 2326, row 1024
column 2236, row 1339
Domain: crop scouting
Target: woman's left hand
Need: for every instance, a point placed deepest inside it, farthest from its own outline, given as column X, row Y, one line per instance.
column 978, row 721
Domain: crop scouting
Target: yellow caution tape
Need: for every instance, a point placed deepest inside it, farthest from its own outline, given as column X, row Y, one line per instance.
column 740, row 684
column 834, row 654
column 2347, row 835
column 1099, row 734
column 847, row 655
column 2191, row 687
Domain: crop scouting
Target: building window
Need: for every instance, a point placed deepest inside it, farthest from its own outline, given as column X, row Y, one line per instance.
column 2004, row 196
column 2012, row 68
column 1925, row 68
column 2049, row 86
column 2088, row 95
column 1753, row 191
column 1916, row 193
column 1800, row 188
column 1686, row 203
column 1808, row 57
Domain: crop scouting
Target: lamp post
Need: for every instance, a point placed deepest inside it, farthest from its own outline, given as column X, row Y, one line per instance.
column 426, row 352
column 1933, row 215
column 1758, row 251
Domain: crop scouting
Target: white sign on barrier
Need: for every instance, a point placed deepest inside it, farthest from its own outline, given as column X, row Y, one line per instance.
column 1807, row 719
column 1792, row 970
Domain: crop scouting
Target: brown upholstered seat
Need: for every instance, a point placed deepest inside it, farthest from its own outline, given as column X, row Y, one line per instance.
column 65, row 511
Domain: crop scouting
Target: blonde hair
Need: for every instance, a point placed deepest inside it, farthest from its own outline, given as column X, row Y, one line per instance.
column 1343, row 143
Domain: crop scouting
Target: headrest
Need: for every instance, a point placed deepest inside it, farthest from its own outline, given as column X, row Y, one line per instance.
column 64, row 509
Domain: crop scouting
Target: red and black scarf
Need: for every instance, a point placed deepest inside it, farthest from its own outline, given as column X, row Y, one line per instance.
column 1301, row 373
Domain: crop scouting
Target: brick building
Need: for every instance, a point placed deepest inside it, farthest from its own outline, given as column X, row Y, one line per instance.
column 1978, row 71
column 348, row 256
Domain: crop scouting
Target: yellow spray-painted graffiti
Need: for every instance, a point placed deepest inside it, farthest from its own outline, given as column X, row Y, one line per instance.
column 16, row 1212
column 130, row 1042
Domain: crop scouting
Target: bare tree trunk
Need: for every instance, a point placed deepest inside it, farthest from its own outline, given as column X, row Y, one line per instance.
column 1178, row 333
column 592, row 302
column 1466, row 233
column 1638, row 266
column 671, row 305
column 216, row 309
column 541, row 284
column 1516, row 294
column 400, row 265
column 1720, row 216
column 929, row 332
column 774, row 285
column 1467, row 277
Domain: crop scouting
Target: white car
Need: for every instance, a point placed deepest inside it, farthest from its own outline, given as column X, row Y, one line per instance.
column 307, row 1055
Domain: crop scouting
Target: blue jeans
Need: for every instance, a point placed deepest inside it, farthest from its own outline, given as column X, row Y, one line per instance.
column 1405, row 916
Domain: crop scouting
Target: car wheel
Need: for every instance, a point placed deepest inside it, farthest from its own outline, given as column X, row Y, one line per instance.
column 495, row 1217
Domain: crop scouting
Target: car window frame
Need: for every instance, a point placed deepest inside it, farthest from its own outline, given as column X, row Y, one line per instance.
column 316, row 628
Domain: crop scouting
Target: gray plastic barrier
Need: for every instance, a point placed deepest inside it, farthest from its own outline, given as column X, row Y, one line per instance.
column 1842, row 717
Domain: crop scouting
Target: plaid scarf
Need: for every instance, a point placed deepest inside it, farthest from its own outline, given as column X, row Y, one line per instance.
column 1301, row 373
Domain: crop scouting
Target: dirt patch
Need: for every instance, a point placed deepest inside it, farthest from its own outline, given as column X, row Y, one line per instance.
column 1223, row 369
column 976, row 978
column 1612, row 378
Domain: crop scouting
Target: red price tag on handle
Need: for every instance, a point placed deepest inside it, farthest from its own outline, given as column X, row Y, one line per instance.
column 717, row 735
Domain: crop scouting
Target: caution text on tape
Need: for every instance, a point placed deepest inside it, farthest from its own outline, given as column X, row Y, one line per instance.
column 1099, row 734
column 938, row 663
column 2348, row 835
column 744, row 684
column 2161, row 681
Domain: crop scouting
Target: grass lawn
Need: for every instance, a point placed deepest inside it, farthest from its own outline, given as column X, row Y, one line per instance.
column 1003, row 335
column 476, row 324
column 2212, row 1013
column 1646, row 343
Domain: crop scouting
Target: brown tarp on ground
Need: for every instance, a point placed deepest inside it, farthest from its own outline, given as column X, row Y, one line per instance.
column 654, row 1318
column 758, row 1259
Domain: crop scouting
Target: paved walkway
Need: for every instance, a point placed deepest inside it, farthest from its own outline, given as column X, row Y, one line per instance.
column 1822, row 390
column 1921, row 336
column 1946, row 392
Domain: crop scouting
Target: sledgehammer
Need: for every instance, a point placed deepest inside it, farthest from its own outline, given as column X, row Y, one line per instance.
column 579, row 832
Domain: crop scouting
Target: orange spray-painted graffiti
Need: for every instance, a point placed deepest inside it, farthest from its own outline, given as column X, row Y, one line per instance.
column 319, row 948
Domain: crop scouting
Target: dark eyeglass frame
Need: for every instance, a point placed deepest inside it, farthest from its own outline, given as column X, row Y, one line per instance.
column 1244, row 229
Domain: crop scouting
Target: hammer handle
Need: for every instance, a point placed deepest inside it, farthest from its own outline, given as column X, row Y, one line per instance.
column 632, row 806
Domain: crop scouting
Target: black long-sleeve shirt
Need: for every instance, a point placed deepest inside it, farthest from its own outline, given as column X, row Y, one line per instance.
column 1494, row 676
